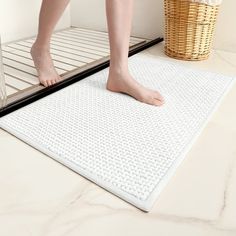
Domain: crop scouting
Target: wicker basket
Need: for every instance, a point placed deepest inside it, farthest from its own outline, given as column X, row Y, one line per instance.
column 189, row 28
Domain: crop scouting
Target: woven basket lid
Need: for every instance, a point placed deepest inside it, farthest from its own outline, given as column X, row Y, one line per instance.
column 208, row 2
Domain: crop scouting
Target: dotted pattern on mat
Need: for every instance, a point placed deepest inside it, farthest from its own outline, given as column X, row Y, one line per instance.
column 115, row 138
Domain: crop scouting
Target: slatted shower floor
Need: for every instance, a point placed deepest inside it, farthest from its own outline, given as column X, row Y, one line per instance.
column 73, row 50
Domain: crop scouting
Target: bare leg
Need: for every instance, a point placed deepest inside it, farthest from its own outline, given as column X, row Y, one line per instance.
column 51, row 11
column 119, row 20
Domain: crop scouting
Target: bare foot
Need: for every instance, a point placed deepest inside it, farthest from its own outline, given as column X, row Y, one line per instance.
column 124, row 83
column 47, row 73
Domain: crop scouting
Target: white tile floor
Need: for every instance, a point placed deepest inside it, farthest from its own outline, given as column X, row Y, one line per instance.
column 38, row 196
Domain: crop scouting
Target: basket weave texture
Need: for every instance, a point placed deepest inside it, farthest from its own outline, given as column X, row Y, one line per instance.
column 189, row 28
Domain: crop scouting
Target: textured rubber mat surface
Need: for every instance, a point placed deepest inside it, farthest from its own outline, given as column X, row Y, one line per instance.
column 128, row 147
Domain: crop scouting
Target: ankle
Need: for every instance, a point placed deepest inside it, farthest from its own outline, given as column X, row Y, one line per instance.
column 118, row 71
column 41, row 46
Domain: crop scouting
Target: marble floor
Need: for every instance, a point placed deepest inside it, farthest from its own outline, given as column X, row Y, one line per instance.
column 40, row 197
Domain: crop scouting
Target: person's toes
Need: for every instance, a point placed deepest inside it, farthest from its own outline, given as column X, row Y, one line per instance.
column 53, row 81
column 48, row 82
column 153, row 99
column 157, row 102
column 150, row 100
column 44, row 83
column 158, row 96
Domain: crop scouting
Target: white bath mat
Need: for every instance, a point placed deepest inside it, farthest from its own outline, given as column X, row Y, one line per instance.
column 127, row 147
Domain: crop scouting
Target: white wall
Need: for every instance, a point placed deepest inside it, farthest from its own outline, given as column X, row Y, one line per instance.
column 147, row 22
column 19, row 19
column 149, row 19
column 225, row 34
